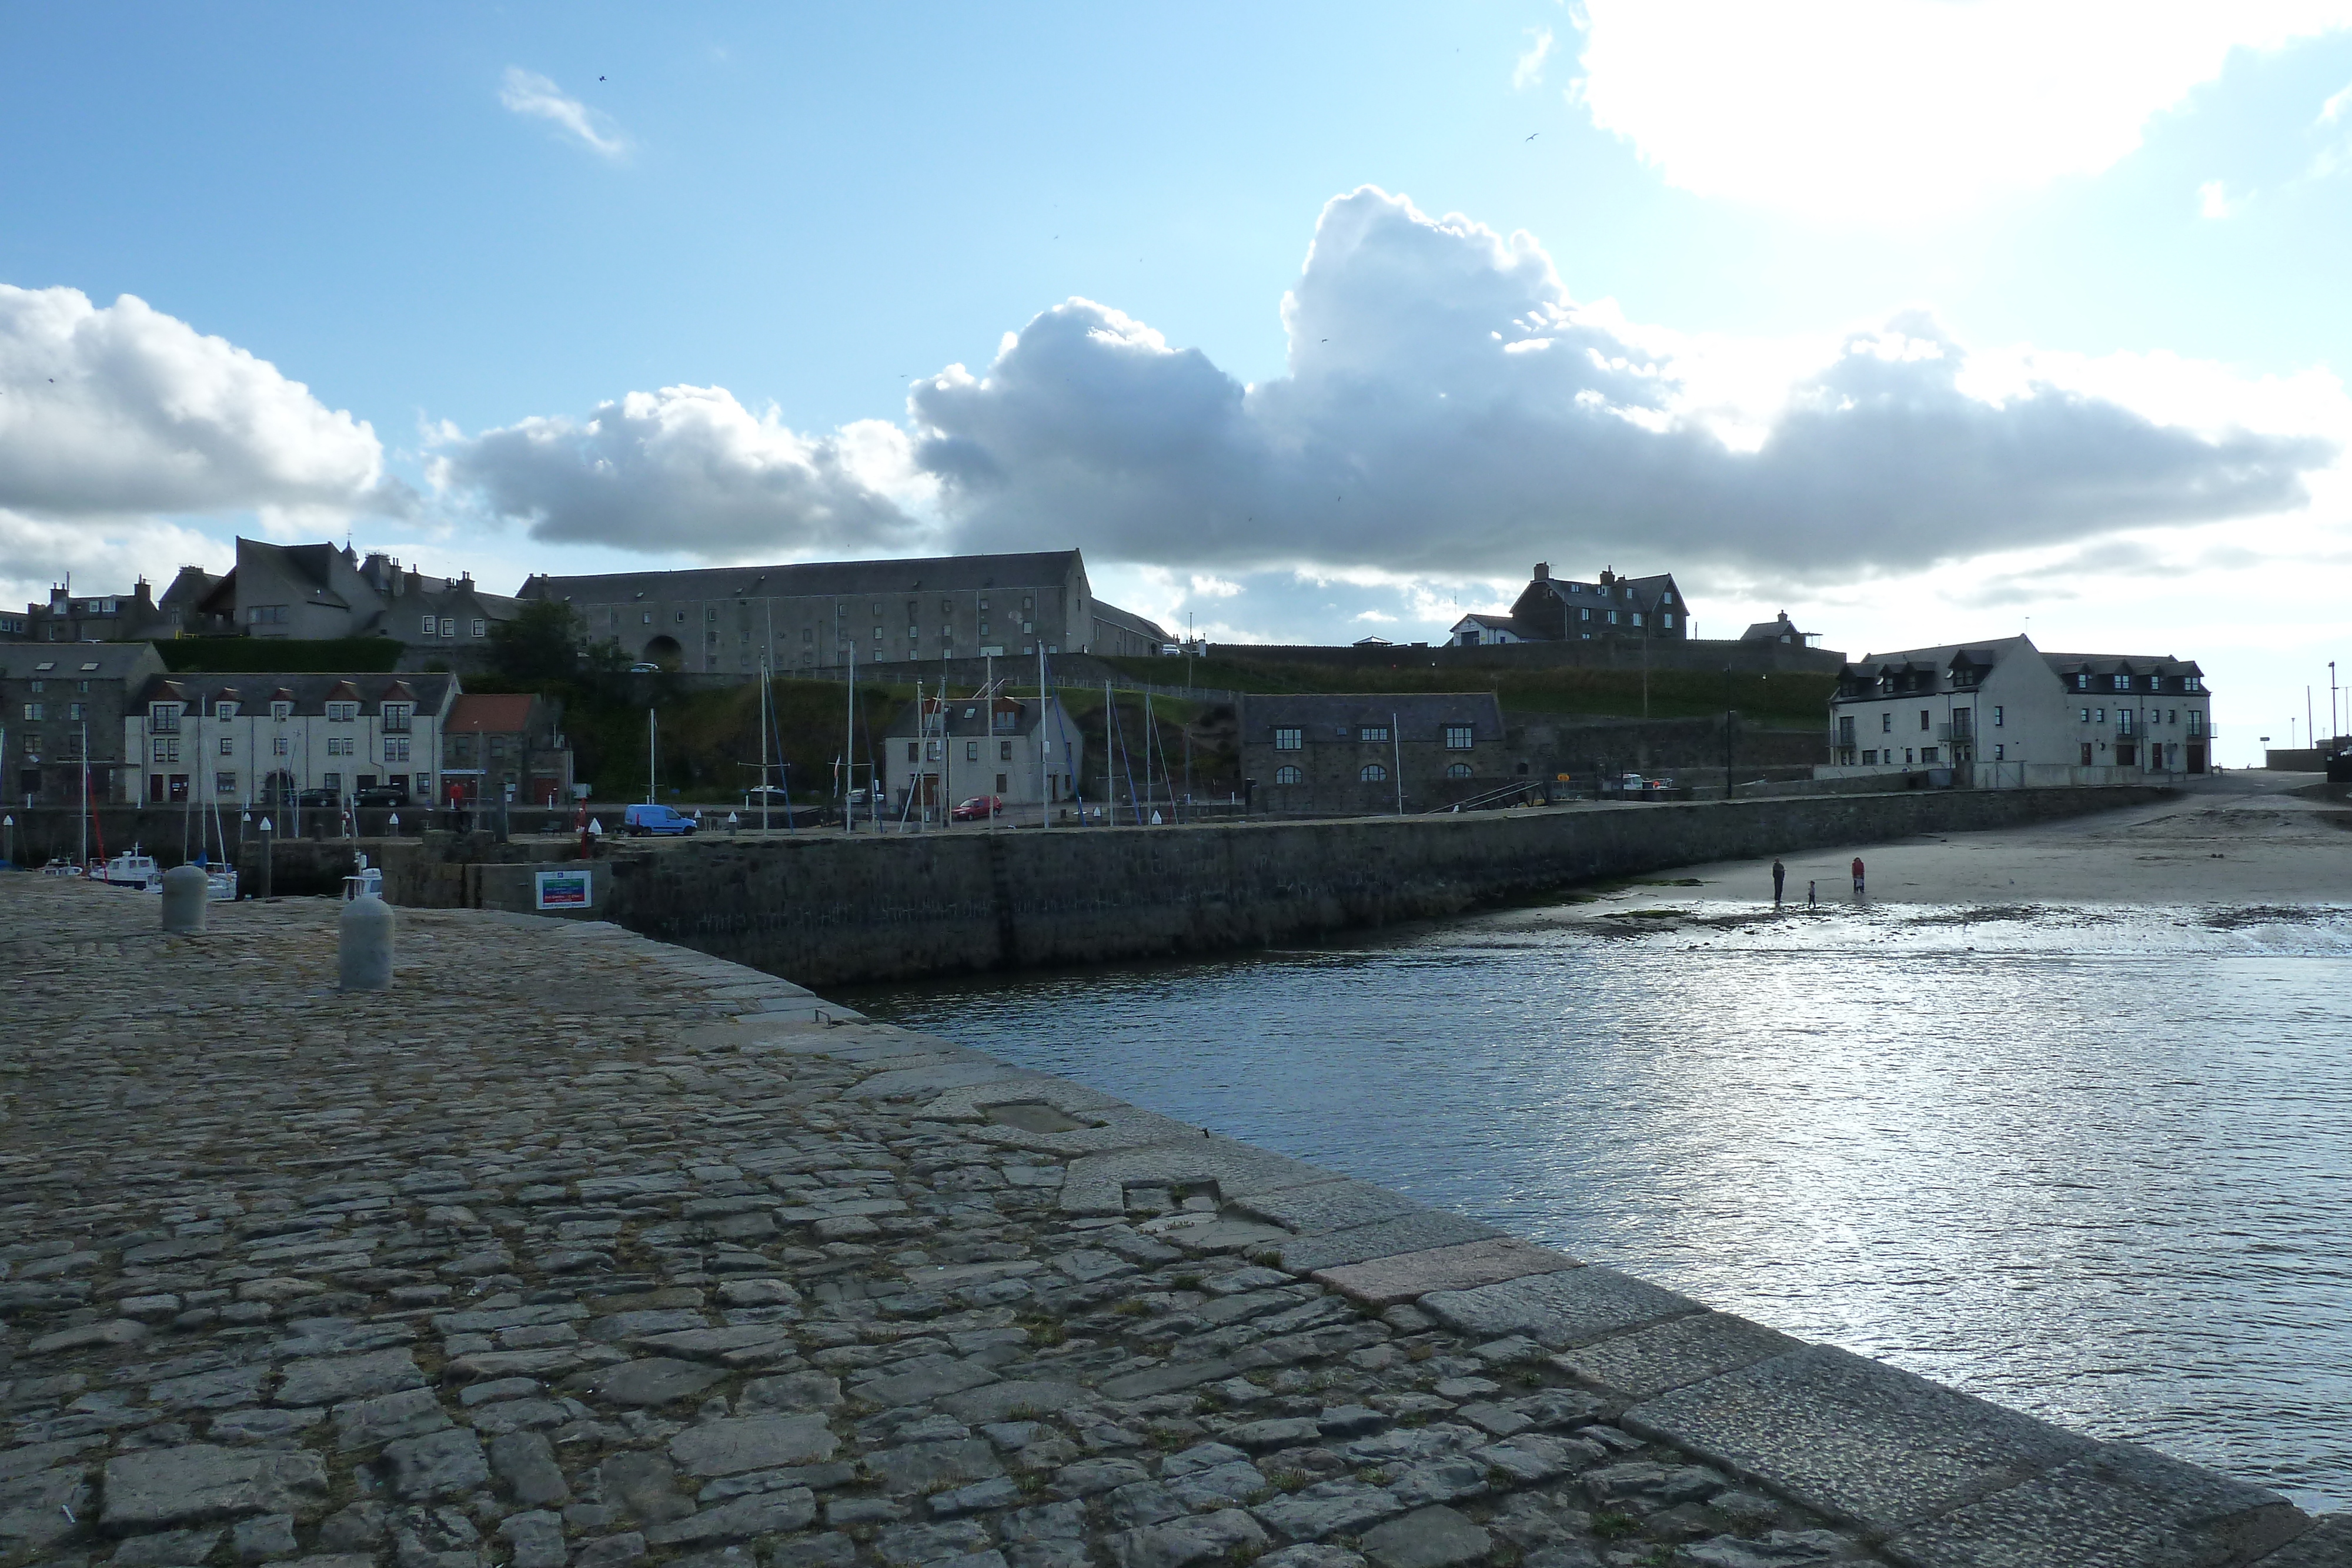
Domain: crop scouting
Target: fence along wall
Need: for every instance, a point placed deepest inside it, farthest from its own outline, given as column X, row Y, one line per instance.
column 830, row 911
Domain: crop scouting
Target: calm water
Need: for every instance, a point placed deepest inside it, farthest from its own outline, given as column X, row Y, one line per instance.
column 2093, row 1164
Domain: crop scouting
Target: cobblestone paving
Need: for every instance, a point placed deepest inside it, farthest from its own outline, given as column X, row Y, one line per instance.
column 578, row 1249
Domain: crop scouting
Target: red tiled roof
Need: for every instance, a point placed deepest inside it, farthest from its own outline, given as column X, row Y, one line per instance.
column 499, row 712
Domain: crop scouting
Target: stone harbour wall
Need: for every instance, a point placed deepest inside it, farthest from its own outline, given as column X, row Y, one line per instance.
column 828, row 909
column 576, row 1250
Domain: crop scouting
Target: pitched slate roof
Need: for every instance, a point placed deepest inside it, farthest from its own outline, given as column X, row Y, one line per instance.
column 489, row 712
column 1419, row 715
column 931, row 574
column 309, row 694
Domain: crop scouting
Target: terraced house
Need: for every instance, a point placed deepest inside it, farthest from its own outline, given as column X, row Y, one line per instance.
column 1346, row 755
column 238, row 739
column 2005, row 713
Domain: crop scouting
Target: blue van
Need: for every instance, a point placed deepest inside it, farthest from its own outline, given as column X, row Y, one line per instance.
column 637, row 821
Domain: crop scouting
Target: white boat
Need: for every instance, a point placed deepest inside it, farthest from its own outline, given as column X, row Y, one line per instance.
column 133, row 869
column 61, row 868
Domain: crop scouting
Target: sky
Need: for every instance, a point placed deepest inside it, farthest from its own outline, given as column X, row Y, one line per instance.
column 1924, row 321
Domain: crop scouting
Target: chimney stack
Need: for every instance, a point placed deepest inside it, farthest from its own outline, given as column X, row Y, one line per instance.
column 1543, row 571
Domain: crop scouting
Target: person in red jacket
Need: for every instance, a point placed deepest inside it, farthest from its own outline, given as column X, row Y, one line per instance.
column 1857, row 876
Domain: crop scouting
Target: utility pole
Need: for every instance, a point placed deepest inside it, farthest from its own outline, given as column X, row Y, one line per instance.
column 849, row 752
column 1396, row 758
column 1727, row 732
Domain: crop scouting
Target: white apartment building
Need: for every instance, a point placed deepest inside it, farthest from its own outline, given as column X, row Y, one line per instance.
column 236, row 739
column 1029, row 753
column 2011, row 714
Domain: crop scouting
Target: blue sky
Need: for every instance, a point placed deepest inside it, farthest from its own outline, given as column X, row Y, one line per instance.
column 1916, row 318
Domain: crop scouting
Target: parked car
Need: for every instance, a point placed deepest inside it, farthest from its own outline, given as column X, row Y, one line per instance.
column 978, row 808
column 641, row 821
column 645, row 669
column 319, row 797
column 381, row 795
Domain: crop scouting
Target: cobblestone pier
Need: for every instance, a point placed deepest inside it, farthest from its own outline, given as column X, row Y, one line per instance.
column 576, row 1248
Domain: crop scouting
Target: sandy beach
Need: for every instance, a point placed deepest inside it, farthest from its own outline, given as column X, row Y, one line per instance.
column 2247, row 838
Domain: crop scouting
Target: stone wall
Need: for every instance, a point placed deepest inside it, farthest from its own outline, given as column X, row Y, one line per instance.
column 829, row 910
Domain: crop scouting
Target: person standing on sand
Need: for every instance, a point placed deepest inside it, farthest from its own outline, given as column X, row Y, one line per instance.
column 1779, row 876
column 1857, row 876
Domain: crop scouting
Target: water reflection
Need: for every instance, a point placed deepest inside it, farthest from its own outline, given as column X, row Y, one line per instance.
column 2089, row 1163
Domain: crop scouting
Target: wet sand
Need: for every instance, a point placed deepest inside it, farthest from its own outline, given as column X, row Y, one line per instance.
column 2248, row 837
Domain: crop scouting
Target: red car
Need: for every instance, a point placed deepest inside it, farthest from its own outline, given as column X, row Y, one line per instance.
column 978, row 808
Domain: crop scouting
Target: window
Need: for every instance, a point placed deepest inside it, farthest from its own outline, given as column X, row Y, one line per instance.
column 2196, row 723
column 227, row 746
column 2172, row 716
column 1963, row 724
column 1923, row 718
column 1585, row 613
column 167, row 748
column 1288, row 739
column 449, row 625
column 1457, row 770
column 930, row 751
column 972, row 751
column 1997, row 717
column 1459, row 737
column 1289, row 776
column 2192, row 682
column 1637, row 617
column 223, row 783
column 1029, row 604
column 77, row 712
column 223, row 710
column 1373, row 773
column 877, row 633
column 395, row 749
column 339, row 746
column 645, row 618
column 2099, row 714
column 163, row 719
column 281, row 745
column 266, row 615
column 1926, row 754
column 281, row 712
column 332, row 781
column 2124, row 717
column 1004, row 751
column 431, row 625
column 396, row 717
column 35, row 712
column 2082, row 681
column 1870, row 759
column 343, row 713
column 1375, row 732
column 481, row 628
column 914, row 751
column 1886, row 723
column 1999, row 753
column 2123, row 683
column 1612, row 618
column 1667, row 621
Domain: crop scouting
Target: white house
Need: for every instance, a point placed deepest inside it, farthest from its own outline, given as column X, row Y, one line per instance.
column 2015, row 715
column 236, row 738
column 1027, row 752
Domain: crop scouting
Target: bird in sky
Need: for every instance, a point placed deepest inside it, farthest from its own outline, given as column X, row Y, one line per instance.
column 1531, row 135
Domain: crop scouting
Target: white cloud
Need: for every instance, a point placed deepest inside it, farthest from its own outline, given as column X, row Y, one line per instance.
column 1528, row 70
column 2214, row 202
column 121, row 411
column 691, row 469
column 533, row 95
column 1897, row 109
column 1450, row 414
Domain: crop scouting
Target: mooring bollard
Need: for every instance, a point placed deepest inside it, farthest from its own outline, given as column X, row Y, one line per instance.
column 184, row 892
column 364, row 945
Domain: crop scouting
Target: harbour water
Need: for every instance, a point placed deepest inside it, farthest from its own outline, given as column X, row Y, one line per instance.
column 2093, row 1163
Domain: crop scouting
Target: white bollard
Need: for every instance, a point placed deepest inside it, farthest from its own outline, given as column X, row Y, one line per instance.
column 364, row 945
column 184, row 892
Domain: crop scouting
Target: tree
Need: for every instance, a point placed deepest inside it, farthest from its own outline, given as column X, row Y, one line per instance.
column 546, row 642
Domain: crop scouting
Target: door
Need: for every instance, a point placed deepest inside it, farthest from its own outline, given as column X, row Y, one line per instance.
column 155, row 789
column 2086, row 753
column 178, row 788
column 2196, row 757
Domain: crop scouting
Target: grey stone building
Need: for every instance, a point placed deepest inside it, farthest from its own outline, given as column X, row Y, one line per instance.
column 62, row 704
column 1563, row 610
column 137, row 616
column 329, row 590
column 505, row 746
column 809, row 615
column 1028, row 753
column 1343, row 754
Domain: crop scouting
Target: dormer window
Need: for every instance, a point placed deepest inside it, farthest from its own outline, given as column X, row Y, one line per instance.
column 343, row 713
column 223, row 710
column 2123, row 683
column 2082, row 681
column 281, row 712
column 396, row 717
column 163, row 719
